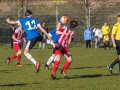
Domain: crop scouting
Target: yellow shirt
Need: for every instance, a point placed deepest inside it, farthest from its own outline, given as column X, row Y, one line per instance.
column 105, row 30
column 116, row 31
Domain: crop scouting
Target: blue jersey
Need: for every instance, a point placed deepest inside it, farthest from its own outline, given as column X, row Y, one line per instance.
column 54, row 36
column 30, row 26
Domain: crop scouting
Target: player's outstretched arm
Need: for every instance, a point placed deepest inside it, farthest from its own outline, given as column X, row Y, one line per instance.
column 44, row 32
column 59, row 32
column 71, row 37
column 11, row 22
column 113, row 40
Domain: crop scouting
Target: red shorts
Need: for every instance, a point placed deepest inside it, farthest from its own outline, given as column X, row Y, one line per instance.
column 16, row 46
column 63, row 50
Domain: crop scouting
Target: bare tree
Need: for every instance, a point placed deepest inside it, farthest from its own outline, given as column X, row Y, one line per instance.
column 84, row 6
column 20, row 7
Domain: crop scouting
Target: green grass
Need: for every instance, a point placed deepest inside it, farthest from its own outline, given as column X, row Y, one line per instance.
column 87, row 72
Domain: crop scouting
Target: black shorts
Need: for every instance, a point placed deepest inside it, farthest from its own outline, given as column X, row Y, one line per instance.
column 33, row 41
column 118, row 46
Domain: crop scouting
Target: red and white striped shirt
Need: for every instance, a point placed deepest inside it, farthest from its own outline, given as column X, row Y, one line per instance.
column 19, row 34
column 63, row 39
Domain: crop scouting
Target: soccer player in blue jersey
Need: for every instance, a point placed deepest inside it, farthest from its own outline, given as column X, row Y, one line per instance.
column 54, row 36
column 30, row 26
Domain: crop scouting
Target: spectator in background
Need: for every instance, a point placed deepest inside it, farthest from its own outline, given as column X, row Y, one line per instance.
column 88, row 36
column 42, row 44
column 106, row 35
column 22, row 43
column 11, row 33
column 97, row 35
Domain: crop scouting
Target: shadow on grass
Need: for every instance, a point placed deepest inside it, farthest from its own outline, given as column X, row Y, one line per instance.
column 114, row 74
column 86, row 76
column 93, row 76
column 8, row 71
column 88, row 67
column 89, row 76
column 19, row 84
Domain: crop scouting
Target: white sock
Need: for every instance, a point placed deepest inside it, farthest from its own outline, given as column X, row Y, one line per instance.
column 54, row 59
column 30, row 58
column 53, row 45
column 49, row 42
column 43, row 45
column 50, row 60
column 40, row 44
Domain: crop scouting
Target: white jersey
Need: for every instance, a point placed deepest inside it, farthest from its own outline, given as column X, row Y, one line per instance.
column 97, row 32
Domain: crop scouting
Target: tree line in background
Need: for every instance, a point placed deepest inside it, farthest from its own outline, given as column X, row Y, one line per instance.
column 94, row 6
column 86, row 12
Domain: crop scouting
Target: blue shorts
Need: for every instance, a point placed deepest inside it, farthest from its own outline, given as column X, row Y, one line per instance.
column 118, row 46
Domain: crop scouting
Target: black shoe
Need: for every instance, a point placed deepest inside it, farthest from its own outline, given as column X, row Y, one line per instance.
column 53, row 77
column 61, row 72
column 109, row 69
column 64, row 74
column 66, row 77
column 46, row 67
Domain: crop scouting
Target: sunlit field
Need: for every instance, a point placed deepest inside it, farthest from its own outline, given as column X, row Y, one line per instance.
column 88, row 71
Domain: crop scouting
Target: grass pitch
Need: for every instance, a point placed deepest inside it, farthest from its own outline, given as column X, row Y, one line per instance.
column 87, row 72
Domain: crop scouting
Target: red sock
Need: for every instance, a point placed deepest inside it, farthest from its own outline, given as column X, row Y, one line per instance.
column 19, row 58
column 13, row 56
column 56, row 63
column 66, row 65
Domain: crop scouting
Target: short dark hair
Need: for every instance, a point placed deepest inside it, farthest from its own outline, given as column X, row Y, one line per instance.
column 12, row 25
column 28, row 12
column 118, row 15
column 96, row 25
column 73, row 24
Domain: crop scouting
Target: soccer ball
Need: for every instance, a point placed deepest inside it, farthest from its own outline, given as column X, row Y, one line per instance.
column 64, row 19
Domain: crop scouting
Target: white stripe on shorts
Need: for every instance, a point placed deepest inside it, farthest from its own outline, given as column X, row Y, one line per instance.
column 28, row 44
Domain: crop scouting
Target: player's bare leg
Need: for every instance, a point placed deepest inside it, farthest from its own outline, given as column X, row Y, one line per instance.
column 29, row 56
column 49, row 61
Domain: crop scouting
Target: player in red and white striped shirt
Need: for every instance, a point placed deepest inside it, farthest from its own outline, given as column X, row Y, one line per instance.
column 17, row 36
column 63, row 40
